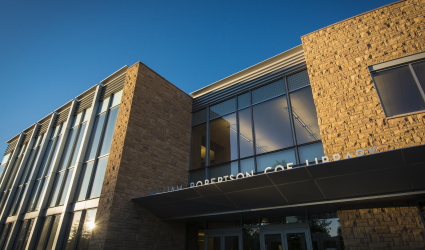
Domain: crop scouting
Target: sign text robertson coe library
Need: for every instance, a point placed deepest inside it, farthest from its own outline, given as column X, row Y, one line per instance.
column 335, row 157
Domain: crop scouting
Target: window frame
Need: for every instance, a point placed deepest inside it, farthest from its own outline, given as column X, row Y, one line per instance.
column 398, row 63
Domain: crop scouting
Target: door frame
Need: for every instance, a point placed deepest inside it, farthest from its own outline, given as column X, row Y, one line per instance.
column 283, row 237
column 222, row 233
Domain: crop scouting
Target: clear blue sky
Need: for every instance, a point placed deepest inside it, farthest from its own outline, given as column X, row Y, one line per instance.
column 51, row 51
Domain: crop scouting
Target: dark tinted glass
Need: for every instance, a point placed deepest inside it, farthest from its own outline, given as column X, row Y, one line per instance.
column 109, row 131
column 198, row 147
column 398, row 91
column 296, row 241
column 304, row 116
column 43, row 187
column 52, row 234
column 419, row 69
column 251, row 238
column 98, row 178
column 272, row 241
column 223, row 139
column 422, row 206
column 5, row 235
column 231, row 243
column 326, row 231
column 23, row 235
column 246, row 141
column 85, row 181
column 214, row 243
column 94, row 141
column 36, row 190
column 197, row 175
column 42, row 241
column 272, row 126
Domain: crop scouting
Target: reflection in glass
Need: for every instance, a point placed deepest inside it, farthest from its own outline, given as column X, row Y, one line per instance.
column 251, row 238
column 271, row 221
column 116, row 99
column 296, row 241
column 98, row 178
column 422, row 206
column 274, row 159
column 23, row 234
column 66, row 186
column 73, row 231
column 325, row 230
column 419, row 69
column 68, row 149
column 398, row 91
column 272, row 241
column 246, row 141
column 223, row 139
column 310, row 152
column 272, row 126
column 214, row 243
column 109, row 131
column 304, row 116
column 198, row 146
column 244, row 100
column 231, row 243
column 247, row 165
column 85, row 182
column 197, row 175
column 44, row 233
column 223, row 108
column 88, row 227
column 5, row 234
column 53, row 232
column 58, row 185
column 94, row 141
column 225, row 169
column 77, row 145
column 294, row 219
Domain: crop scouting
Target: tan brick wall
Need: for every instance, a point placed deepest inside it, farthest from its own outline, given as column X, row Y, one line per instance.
column 348, row 107
column 150, row 150
column 386, row 226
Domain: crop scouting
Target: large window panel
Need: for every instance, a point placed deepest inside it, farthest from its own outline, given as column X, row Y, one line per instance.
column 198, row 146
column 311, row 152
column 246, row 141
column 57, row 188
column 68, row 148
column 65, row 186
column 274, row 159
column 419, row 69
column 85, row 181
column 98, row 178
column 272, row 126
column 73, row 231
column 88, row 226
column 398, row 91
column 304, row 116
column 109, row 131
column 223, row 139
column 23, row 235
column 223, row 170
column 94, row 141
column 78, row 145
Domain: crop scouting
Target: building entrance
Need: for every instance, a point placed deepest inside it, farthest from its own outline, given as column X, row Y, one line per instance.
column 272, row 237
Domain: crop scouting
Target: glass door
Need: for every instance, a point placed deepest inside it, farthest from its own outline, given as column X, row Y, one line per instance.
column 223, row 242
column 285, row 240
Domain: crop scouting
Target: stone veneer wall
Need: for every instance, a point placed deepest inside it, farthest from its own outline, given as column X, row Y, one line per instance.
column 348, row 107
column 150, row 150
column 382, row 226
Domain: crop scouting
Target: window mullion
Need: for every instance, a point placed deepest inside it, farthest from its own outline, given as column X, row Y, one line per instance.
column 415, row 77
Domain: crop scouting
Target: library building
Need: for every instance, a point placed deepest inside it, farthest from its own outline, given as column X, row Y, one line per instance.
column 321, row 147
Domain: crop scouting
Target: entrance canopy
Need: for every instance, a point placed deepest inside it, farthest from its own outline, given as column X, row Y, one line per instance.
column 388, row 174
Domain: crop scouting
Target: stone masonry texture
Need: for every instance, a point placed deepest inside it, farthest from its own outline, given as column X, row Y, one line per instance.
column 349, row 111
column 394, row 225
column 150, row 150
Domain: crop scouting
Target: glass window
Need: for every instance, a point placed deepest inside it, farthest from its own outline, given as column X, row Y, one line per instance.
column 198, row 147
column 73, row 231
column 272, row 126
column 304, row 116
column 244, row 100
column 109, row 131
column 103, row 105
column 57, row 187
column 251, row 238
column 52, row 235
column 398, row 91
column 311, row 152
column 197, row 175
column 268, row 91
column 94, row 141
column 23, row 235
column 68, row 148
column 326, row 231
column 223, row 139
column 78, row 145
column 419, row 69
column 88, row 226
column 85, row 181
column 5, row 158
column 246, row 141
column 5, row 234
column 274, row 159
column 66, row 186
column 223, row 170
column 116, row 98
column 223, row 108
column 42, row 241
column 247, row 165
column 98, row 178
column 2, row 167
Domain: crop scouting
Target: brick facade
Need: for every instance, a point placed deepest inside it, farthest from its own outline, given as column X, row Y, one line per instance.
column 150, row 150
column 382, row 226
column 348, row 107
